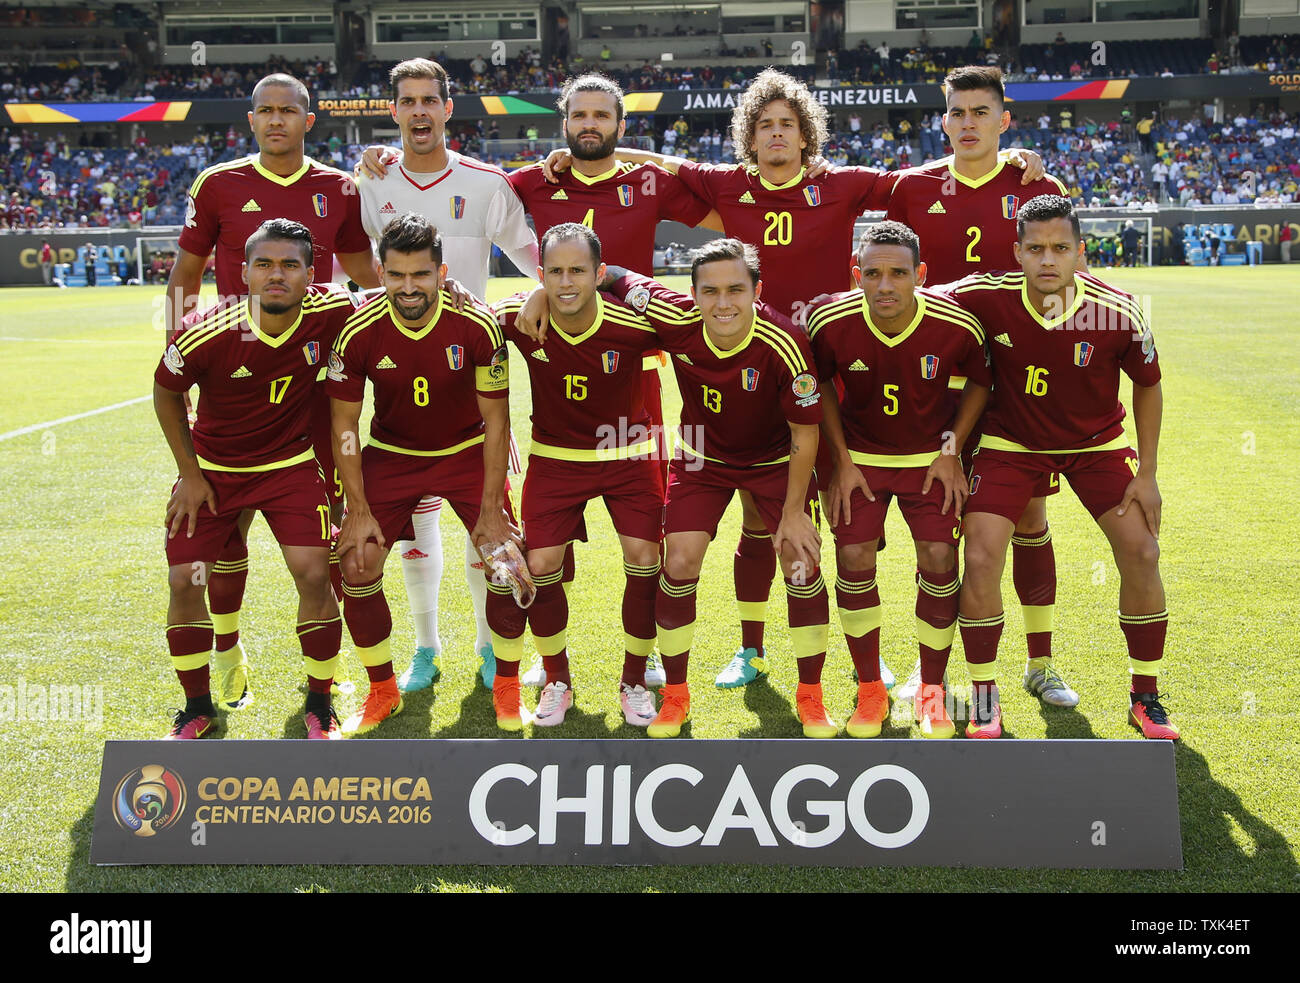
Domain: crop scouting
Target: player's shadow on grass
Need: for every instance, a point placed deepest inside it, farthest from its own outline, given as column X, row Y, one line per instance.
column 1213, row 817
column 776, row 717
column 476, row 719
column 1064, row 723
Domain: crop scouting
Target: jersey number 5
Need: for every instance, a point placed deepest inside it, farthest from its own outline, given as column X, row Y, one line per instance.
column 890, row 392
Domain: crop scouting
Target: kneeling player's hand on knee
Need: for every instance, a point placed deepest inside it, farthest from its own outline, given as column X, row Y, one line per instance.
column 1144, row 491
column 946, row 468
column 189, row 495
column 357, row 529
column 797, row 540
column 844, row 480
column 496, row 528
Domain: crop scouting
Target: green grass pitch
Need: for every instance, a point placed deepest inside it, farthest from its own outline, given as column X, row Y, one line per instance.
column 83, row 597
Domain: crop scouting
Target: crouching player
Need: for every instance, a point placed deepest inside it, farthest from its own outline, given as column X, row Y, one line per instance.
column 591, row 439
column 750, row 411
column 441, row 427
column 256, row 366
column 1065, row 338
column 894, row 347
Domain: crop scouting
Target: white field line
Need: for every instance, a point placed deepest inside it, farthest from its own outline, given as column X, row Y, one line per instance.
column 68, row 419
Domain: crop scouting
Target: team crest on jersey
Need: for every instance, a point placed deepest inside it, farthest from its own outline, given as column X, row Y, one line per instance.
column 609, row 362
column 813, row 195
column 638, row 298
column 335, row 368
column 497, row 367
column 1009, row 204
column 456, row 357
column 625, row 195
column 320, row 204
column 311, row 352
column 749, row 379
column 929, row 366
column 458, row 206
column 173, row 360
column 1083, row 353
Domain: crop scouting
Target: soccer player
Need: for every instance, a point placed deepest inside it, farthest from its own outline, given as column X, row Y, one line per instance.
column 227, row 202
column 256, row 366
column 894, row 346
column 586, row 386
column 441, row 427
column 472, row 207
column 963, row 208
column 802, row 225
column 1062, row 339
column 750, row 410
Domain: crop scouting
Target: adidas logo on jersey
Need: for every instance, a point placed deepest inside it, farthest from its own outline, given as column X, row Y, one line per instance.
column 937, row 209
column 685, row 358
column 858, row 366
column 385, row 363
column 540, row 356
column 1003, row 339
column 251, row 206
column 559, row 196
column 241, row 373
column 388, row 209
column 747, row 199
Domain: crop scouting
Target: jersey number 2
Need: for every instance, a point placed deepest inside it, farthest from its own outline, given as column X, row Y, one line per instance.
column 975, row 234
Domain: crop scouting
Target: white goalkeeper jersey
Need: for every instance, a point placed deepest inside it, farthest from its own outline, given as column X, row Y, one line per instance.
column 470, row 204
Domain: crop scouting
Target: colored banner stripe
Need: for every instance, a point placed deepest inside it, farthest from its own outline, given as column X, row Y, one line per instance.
column 98, row 112
column 514, row 106
column 642, row 102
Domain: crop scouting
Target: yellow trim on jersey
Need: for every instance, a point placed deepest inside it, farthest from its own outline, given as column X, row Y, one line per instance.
column 274, row 341
column 679, row 439
column 455, row 448
column 627, row 318
column 1116, row 301
column 977, row 182
column 942, row 308
column 838, row 309
column 419, row 333
column 283, row 182
column 579, row 176
column 592, row 453
column 207, row 172
column 306, row 455
column 1048, row 323
column 210, row 328
column 361, row 319
column 957, row 382
column 595, row 325
column 665, row 311
column 992, row 443
column 992, row 281
column 749, row 336
column 902, row 336
column 650, row 363
column 783, row 346
column 893, row 460
column 781, row 187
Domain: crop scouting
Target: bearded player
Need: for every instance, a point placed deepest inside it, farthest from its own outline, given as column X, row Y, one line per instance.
column 1064, row 339
column 441, row 427
column 802, row 226
column 257, row 367
column 472, row 207
column 964, row 210
column 893, row 347
column 227, row 202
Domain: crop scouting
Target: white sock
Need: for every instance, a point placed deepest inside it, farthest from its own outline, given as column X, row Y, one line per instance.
column 477, row 593
column 422, row 568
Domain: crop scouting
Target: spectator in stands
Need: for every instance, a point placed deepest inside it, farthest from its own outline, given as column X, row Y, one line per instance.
column 1284, row 239
column 46, row 261
column 92, row 257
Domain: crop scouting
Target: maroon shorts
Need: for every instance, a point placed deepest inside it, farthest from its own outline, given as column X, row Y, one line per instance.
column 395, row 483
column 322, row 441
column 1003, row 482
column 292, row 500
column 697, row 496
column 556, row 494
column 924, row 513
column 1048, row 483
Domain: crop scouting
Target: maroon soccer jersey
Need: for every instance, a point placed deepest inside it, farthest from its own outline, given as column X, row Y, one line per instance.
column 966, row 226
column 895, row 404
column 1056, row 380
column 255, row 391
column 735, row 404
column 425, row 381
column 229, row 201
column 803, row 229
column 623, row 207
column 587, row 388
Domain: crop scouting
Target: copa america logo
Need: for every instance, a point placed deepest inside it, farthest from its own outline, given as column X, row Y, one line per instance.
column 148, row 800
